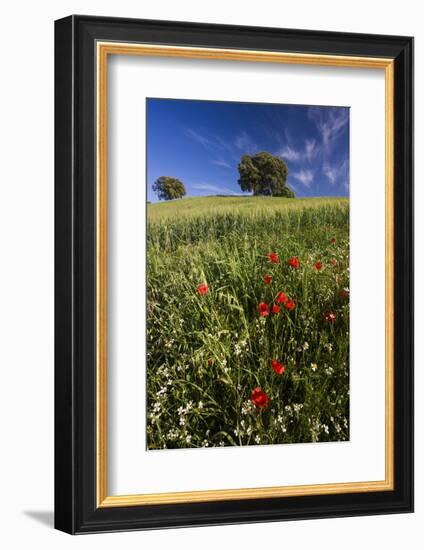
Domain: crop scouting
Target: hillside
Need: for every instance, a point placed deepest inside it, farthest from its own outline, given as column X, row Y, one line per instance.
column 203, row 206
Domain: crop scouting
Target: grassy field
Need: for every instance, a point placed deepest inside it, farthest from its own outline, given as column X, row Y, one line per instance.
column 216, row 205
column 247, row 321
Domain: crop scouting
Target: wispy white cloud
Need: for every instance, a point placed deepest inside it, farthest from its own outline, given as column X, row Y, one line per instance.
column 337, row 173
column 311, row 149
column 199, row 138
column 290, row 154
column 308, row 152
column 304, row 176
column 293, row 187
column 221, row 162
column 245, row 143
column 331, row 123
column 226, row 146
column 216, row 145
column 331, row 172
column 213, row 188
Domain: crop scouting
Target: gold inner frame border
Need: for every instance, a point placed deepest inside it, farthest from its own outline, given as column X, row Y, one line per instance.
column 103, row 50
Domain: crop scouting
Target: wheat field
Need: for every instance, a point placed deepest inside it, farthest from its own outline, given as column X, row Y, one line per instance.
column 247, row 321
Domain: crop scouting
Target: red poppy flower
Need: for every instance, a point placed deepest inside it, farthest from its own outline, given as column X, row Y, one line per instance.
column 210, row 361
column 278, row 367
column 290, row 305
column 281, row 298
column 263, row 309
column 202, row 289
column 333, row 240
column 259, row 398
column 275, row 309
column 267, row 279
column 330, row 317
column 318, row 266
column 344, row 294
column 294, row 262
column 333, row 262
column 273, row 257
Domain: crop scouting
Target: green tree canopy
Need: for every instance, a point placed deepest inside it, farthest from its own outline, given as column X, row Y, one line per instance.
column 264, row 174
column 168, row 188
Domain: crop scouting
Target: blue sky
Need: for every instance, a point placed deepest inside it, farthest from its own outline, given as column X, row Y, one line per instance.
column 201, row 143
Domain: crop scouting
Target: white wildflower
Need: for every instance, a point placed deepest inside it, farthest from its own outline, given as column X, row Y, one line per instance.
column 169, row 343
column 247, row 407
column 172, row 434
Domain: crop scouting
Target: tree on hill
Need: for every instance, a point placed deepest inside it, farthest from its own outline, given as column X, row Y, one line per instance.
column 168, row 188
column 264, row 174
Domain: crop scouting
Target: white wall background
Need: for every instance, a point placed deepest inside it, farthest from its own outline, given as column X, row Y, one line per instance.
column 26, row 272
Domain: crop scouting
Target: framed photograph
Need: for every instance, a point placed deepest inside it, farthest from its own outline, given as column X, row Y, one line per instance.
column 234, row 274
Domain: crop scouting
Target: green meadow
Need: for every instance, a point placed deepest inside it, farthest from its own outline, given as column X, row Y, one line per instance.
column 247, row 321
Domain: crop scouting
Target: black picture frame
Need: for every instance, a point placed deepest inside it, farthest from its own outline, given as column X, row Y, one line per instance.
column 76, row 510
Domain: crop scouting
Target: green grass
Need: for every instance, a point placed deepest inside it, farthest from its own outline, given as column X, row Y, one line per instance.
column 200, row 206
column 206, row 353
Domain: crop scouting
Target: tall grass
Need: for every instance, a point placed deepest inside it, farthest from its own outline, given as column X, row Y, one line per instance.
column 206, row 353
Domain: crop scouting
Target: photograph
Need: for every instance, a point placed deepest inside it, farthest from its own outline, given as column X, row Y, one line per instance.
column 247, row 259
